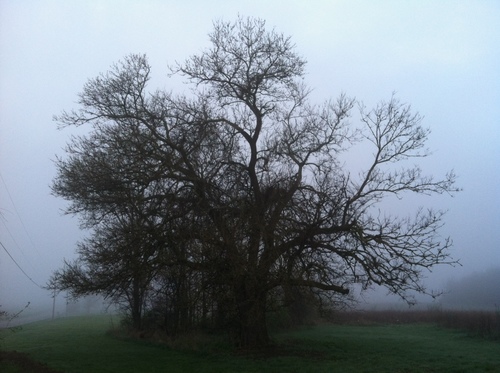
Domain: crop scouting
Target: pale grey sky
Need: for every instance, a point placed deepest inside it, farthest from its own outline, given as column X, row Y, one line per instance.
column 442, row 57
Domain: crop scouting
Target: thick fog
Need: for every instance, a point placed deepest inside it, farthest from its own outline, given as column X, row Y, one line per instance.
column 441, row 57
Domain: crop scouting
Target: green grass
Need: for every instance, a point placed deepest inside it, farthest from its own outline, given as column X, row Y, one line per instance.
column 82, row 345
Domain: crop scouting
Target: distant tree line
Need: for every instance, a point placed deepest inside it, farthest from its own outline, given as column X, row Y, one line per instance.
column 214, row 208
column 476, row 291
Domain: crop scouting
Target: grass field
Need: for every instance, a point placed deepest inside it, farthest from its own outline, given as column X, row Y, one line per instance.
column 82, row 345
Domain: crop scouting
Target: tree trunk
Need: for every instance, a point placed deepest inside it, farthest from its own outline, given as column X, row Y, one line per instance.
column 251, row 326
column 136, row 305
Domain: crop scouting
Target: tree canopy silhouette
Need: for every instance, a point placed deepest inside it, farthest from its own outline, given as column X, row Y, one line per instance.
column 241, row 183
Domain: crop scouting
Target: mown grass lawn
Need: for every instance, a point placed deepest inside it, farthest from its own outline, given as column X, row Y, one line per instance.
column 75, row 345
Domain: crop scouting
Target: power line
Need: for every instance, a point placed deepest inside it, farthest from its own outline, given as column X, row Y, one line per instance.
column 18, row 266
column 19, row 216
column 17, row 245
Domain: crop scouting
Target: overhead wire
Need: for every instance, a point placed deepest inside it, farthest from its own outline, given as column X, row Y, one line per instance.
column 14, row 240
column 18, row 266
column 17, row 245
column 19, row 216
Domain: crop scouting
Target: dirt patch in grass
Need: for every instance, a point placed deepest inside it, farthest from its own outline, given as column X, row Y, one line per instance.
column 20, row 362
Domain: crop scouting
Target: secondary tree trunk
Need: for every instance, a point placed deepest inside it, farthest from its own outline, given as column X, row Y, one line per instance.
column 136, row 306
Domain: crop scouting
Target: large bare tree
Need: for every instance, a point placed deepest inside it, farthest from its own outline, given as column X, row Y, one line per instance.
column 249, row 177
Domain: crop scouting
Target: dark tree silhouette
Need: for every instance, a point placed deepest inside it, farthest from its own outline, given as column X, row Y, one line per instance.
column 244, row 182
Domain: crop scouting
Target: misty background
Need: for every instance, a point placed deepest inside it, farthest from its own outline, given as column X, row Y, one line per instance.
column 441, row 57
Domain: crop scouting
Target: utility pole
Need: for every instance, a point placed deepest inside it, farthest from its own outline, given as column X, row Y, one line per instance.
column 54, row 304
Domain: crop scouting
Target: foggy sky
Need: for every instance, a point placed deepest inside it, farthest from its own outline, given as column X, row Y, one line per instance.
column 441, row 57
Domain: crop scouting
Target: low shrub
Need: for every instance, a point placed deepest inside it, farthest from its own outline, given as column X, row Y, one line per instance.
column 476, row 323
column 484, row 324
